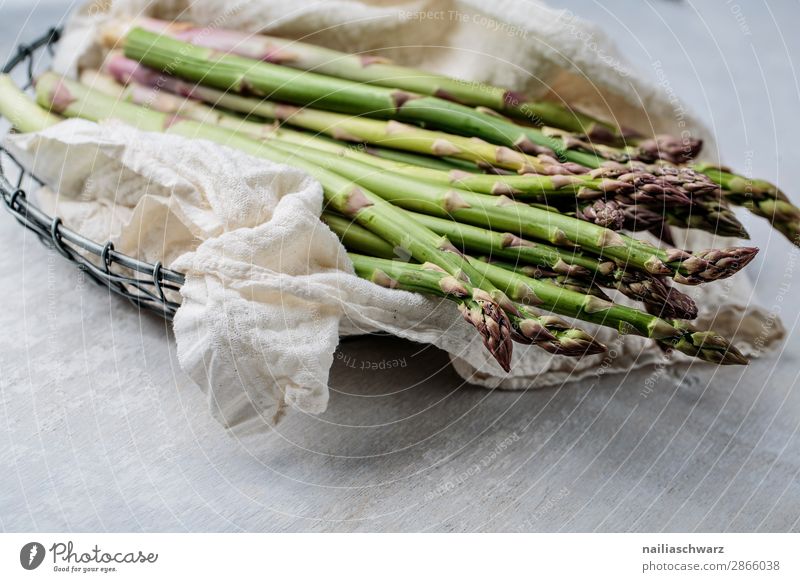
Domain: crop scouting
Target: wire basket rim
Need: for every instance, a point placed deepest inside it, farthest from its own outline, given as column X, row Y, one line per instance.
column 108, row 267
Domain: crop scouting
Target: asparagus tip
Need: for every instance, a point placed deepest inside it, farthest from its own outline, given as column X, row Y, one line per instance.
column 529, row 330
column 575, row 343
column 711, row 264
column 660, row 298
column 494, row 326
column 710, row 347
column 673, row 149
column 605, row 213
column 57, row 95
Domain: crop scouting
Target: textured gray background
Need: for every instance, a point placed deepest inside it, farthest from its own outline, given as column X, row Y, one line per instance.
column 99, row 429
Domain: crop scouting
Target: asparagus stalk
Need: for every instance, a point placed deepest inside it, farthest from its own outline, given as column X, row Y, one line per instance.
column 583, row 286
column 427, row 162
column 158, row 100
column 129, row 72
column 371, row 211
column 124, row 72
column 668, row 148
column 23, row 114
column 377, row 71
column 710, row 214
column 239, row 74
column 510, row 247
column 606, row 213
column 659, row 148
column 391, row 134
column 332, row 162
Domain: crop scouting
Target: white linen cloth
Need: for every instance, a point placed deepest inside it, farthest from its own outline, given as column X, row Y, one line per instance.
column 269, row 289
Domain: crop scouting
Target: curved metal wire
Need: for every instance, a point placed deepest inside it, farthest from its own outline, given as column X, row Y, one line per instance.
column 148, row 286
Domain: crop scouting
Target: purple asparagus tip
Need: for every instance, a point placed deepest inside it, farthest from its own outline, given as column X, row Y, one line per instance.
column 605, row 213
column 495, row 328
column 670, row 148
column 711, row 264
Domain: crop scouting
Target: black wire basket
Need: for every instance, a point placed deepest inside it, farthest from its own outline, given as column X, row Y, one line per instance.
column 146, row 285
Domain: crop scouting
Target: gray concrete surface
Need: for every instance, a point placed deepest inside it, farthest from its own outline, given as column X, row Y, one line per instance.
column 99, row 430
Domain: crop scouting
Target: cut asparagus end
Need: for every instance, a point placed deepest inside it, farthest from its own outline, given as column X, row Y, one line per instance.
column 21, row 110
column 114, row 31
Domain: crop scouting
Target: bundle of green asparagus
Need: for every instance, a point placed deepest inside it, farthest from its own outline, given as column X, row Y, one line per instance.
column 514, row 210
column 466, row 108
